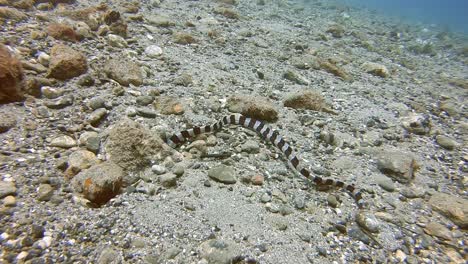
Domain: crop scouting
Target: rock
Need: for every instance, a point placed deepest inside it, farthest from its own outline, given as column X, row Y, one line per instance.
column 332, row 201
column 178, row 170
column 158, row 169
column 216, row 251
column 7, row 188
column 386, row 183
column 66, row 63
column 368, row 221
column 62, row 32
column 398, row 165
column 446, row 142
column 256, row 107
column 333, row 69
column 307, row 99
column 450, row 107
column 100, row 183
column 50, row 92
column 336, row 30
column 453, row 207
column 11, row 77
column 375, row 69
column 144, row 100
column 183, row 38
column 80, row 160
column 44, row 192
column 416, row 123
column 9, row 201
column 63, row 141
column 61, row 102
column 124, row 72
column 96, row 116
column 160, row 21
column 7, row 121
column 168, row 180
column 223, row 173
column 438, row 230
column 295, row 77
column 168, row 105
column 132, row 146
column 91, row 141
column 12, row 14
column 109, row 256
column 146, row 112
column 153, row 51
column 413, row 192
column 116, row 41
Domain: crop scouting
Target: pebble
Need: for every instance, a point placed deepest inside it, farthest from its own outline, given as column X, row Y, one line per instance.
column 158, row 169
column 446, row 142
column 223, row 173
column 60, row 103
column 80, row 160
column 153, row 51
column 386, row 183
column 368, row 221
column 257, row 179
column 9, row 201
column 63, row 141
column 44, row 192
column 7, row 188
column 116, row 41
column 144, row 100
column 7, row 121
column 251, row 146
column 96, row 116
column 146, row 112
column 332, row 201
column 218, row 251
column 438, row 230
column 90, row 140
column 178, row 170
column 265, row 198
column 168, row 180
column 453, row 207
column 96, row 103
column 397, row 165
column 50, row 92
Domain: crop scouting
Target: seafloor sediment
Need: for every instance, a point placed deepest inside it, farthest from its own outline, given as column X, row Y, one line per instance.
column 89, row 90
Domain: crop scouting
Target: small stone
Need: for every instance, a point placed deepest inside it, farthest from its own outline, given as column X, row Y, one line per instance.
column 257, row 179
column 256, row 107
column 416, row 123
column 218, row 251
column 60, row 103
column 183, row 38
column 44, row 192
column 66, row 63
column 368, row 221
column 109, row 256
column 438, row 230
column 153, row 51
column 332, row 201
column 386, row 183
column 91, row 141
column 63, row 142
column 97, row 116
column 144, row 100
column 446, row 142
column 397, row 165
column 169, row 105
column 99, row 183
column 265, row 198
column 96, row 103
column 80, row 160
column 62, row 32
column 116, row 41
column 178, row 170
column 9, row 201
column 307, row 99
column 37, row 231
column 223, row 173
column 50, row 92
column 168, row 180
column 158, row 169
column 295, row 77
column 184, row 79
column 124, row 72
column 146, row 112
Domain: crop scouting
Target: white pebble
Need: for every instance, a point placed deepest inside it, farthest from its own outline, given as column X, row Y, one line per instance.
column 153, row 51
column 158, row 169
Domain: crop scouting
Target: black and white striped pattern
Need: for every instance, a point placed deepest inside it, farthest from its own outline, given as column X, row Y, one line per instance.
column 267, row 134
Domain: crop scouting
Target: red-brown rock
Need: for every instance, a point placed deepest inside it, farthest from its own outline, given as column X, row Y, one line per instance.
column 62, row 32
column 66, row 63
column 11, row 77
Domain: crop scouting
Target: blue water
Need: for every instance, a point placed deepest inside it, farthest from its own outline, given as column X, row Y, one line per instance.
column 449, row 14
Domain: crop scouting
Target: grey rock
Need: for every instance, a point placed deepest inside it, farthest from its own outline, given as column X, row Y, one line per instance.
column 7, row 188
column 96, row 102
column 110, row 256
column 295, row 77
column 45, row 192
column 368, row 221
column 397, row 165
column 386, row 183
column 60, row 103
column 124, row 72
column 80, row 160
column 218, row 251
column 413, row 192
column 416, row 123
column 446, row 142
column 146, row 112
column 332, row 201
column 168, row 180
column 265, row 198
column 7, row 121
column 50, row 92
column 250, row 146
column 223, row 173
column 438, row 230
column 63, row 141
column 91, row 141
column 153, row 51
column 158, row 169
column 178, row 170
column 144, row 100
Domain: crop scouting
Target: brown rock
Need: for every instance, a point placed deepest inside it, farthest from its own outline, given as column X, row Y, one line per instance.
column 124, row 72
column 183, row 38
column 333, row 69
column 453, row 207
column 307, row 99
column 62, row 32
column 100, row 183
column 398, row 165
column 11, row 77
column 376, row 69
column 256, row 107
column 438, row 230
column 66, row 63
column 257, row 179
column 80, row 160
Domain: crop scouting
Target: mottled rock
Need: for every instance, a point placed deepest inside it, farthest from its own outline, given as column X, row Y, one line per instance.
column 7, row 188
column 60, row 102
column 368, row 221
column 453, row 207
column 96, row 116
column 295, row 77
column 168, row 180
column 110, row 256
column 307, row 99
column 336, row 30
column 375, row 69
column 169, row 105
column 91, row 141
column 416, row 123
column 446, row 142
column 63, row 141
column 100, row 183
column 153, row 51
column 185, row 79
column 124, row 72
column 250, row 146
column 116, row 41
column 7, row 121
column 66, row 63
column 51, row 92
column 80, row 160
column 11, row 77
column 160, row 21
column 132, row 146
column 257, row 179
column 62, row 32
column 256, row 107
column 223, row 173
column 398, row 165
column 183, row 38
column 216, row 251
